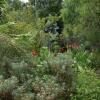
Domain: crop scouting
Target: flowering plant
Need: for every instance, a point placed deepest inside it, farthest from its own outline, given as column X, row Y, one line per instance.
column 34, row 53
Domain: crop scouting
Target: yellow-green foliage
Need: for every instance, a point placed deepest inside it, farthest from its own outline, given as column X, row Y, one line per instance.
column 8, row 48
column 88, row 86
column 15, row 28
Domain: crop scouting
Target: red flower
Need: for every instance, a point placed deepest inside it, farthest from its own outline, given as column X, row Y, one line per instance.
column 34, row 53
column 62, row 50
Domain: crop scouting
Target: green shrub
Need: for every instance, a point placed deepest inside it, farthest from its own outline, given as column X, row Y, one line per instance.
column 15, row 28
column 9, row 49
column 51, row 78
column 40, row 40
column 82, row 59
column 48, row 88
column 57, row 69
column 87, row 86
column 6, row 88
column 95, row 60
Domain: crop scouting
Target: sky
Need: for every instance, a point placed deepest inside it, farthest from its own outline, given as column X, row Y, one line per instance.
column 24, row 1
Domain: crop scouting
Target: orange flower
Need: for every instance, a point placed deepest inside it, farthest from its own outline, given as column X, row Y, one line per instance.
column 62, row 50
column 34, row 53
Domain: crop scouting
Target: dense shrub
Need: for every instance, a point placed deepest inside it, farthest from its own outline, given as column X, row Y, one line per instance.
column 82, row 59
column 15, row 28
column 87, row 86
column 51, row 77
column 8, row 48
column 95, row 57
column 57, row 69
column 6, row 87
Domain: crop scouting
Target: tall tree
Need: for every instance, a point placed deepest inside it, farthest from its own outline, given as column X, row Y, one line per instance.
column 3, row 8
column 83, row 17
column 16, row 4
column 45, row 7
column 70, row 14
column 90, row 20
